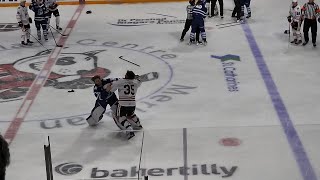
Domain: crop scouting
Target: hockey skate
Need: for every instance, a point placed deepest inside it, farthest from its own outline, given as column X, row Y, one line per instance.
column 248, row 16
column 46, row 38
column 58, row 28
column 204, row 43
column 314, row 45
column 191, row 42
column 29, row 42
column 298, row 42
column 181, row 40
column 294, row 41
column 305, row 43
column 130, row 135
column 24, row 43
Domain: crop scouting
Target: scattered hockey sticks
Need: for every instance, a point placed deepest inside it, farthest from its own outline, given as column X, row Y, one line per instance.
column 121, row 57
column 57, row 30
column 222, row 24
column 54, row 39
column 229, row 26
column 37, row 40
column 163, row 15
column 148, row 77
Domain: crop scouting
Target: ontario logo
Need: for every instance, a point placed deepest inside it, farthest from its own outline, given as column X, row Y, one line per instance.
column 71, row 71
column 228, row 63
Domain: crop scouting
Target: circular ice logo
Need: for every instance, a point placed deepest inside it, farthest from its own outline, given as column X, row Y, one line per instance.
column 68, row 169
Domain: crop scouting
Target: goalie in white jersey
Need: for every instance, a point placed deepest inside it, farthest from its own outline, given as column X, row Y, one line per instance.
column 295, row 19
column 127, row 90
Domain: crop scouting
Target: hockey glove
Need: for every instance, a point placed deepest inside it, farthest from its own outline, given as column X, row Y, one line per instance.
column 289, row 19
column 20, row 24
column 30, row 20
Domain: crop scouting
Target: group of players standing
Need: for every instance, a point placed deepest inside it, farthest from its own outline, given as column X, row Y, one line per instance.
column 43, row 10
column 197, row 11
column 308, row 14
column 122, row 109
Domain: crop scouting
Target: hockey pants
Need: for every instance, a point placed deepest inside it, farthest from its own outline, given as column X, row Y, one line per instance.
column 198, row 25
column 310, row 23
column 187, row 26
column 25, row 32
column 43, row 25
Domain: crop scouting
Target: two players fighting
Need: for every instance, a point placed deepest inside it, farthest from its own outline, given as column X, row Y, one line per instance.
column 123, row 109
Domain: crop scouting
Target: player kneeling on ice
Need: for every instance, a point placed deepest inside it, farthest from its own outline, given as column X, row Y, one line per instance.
column 127, row 90
column 294, row 19
column 24, row 22
column 199, row 14
column 40, row 20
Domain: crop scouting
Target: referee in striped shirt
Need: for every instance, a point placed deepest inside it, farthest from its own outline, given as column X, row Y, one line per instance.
column 310, row 12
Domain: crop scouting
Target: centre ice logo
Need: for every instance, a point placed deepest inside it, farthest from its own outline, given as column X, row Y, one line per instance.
column 71, row 71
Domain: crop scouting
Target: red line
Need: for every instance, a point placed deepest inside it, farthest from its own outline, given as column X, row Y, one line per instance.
column 35, row 88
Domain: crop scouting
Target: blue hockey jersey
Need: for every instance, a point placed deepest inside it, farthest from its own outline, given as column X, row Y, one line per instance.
column 103, row 97
column 199, row 12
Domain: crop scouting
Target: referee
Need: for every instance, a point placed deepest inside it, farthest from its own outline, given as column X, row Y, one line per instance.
column 310, row 11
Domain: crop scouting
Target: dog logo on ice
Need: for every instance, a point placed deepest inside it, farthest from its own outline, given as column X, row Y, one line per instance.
column 68, row 169
column 71, row 71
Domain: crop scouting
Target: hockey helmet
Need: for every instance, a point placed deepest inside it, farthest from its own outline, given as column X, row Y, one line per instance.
column 21, row 1
column 294, row 1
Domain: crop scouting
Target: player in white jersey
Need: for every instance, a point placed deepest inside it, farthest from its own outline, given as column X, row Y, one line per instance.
column 127, row 90
column 24, row 22
column 53, row 9
column 295, row 19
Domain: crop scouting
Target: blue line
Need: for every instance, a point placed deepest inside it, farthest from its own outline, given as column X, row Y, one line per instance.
column 185, row 153
column 292, row 135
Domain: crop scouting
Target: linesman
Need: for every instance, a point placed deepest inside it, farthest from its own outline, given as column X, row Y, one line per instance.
column 310, row 13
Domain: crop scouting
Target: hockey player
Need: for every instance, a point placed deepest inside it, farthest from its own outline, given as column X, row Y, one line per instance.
column 127, row 90
column 40, row 21
column 24, row 22
column 294, row 19
column 310, row 13
column 212, row 9
column 53, row 9
column 245, row 4
column 189, row 22
column 237, row 10
column 103, row 99
column 199, row 14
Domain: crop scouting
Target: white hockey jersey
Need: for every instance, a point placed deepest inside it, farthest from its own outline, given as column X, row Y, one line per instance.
column 51, row 4
column 295, row 13
column 23, row 15
column 127, row 90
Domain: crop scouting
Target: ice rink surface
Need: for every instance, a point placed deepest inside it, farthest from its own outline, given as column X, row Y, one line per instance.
column 245, row 106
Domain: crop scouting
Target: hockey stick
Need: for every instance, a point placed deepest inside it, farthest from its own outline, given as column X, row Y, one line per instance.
column 37, row 40
column 54, row 39
column 121, row 57
column 148, row 77
column 57, row 31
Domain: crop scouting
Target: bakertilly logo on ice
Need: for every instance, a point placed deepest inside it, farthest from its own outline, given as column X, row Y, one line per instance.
column 68, row 169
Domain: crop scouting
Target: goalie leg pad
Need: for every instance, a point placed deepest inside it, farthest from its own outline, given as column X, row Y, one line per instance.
column 96, row 115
